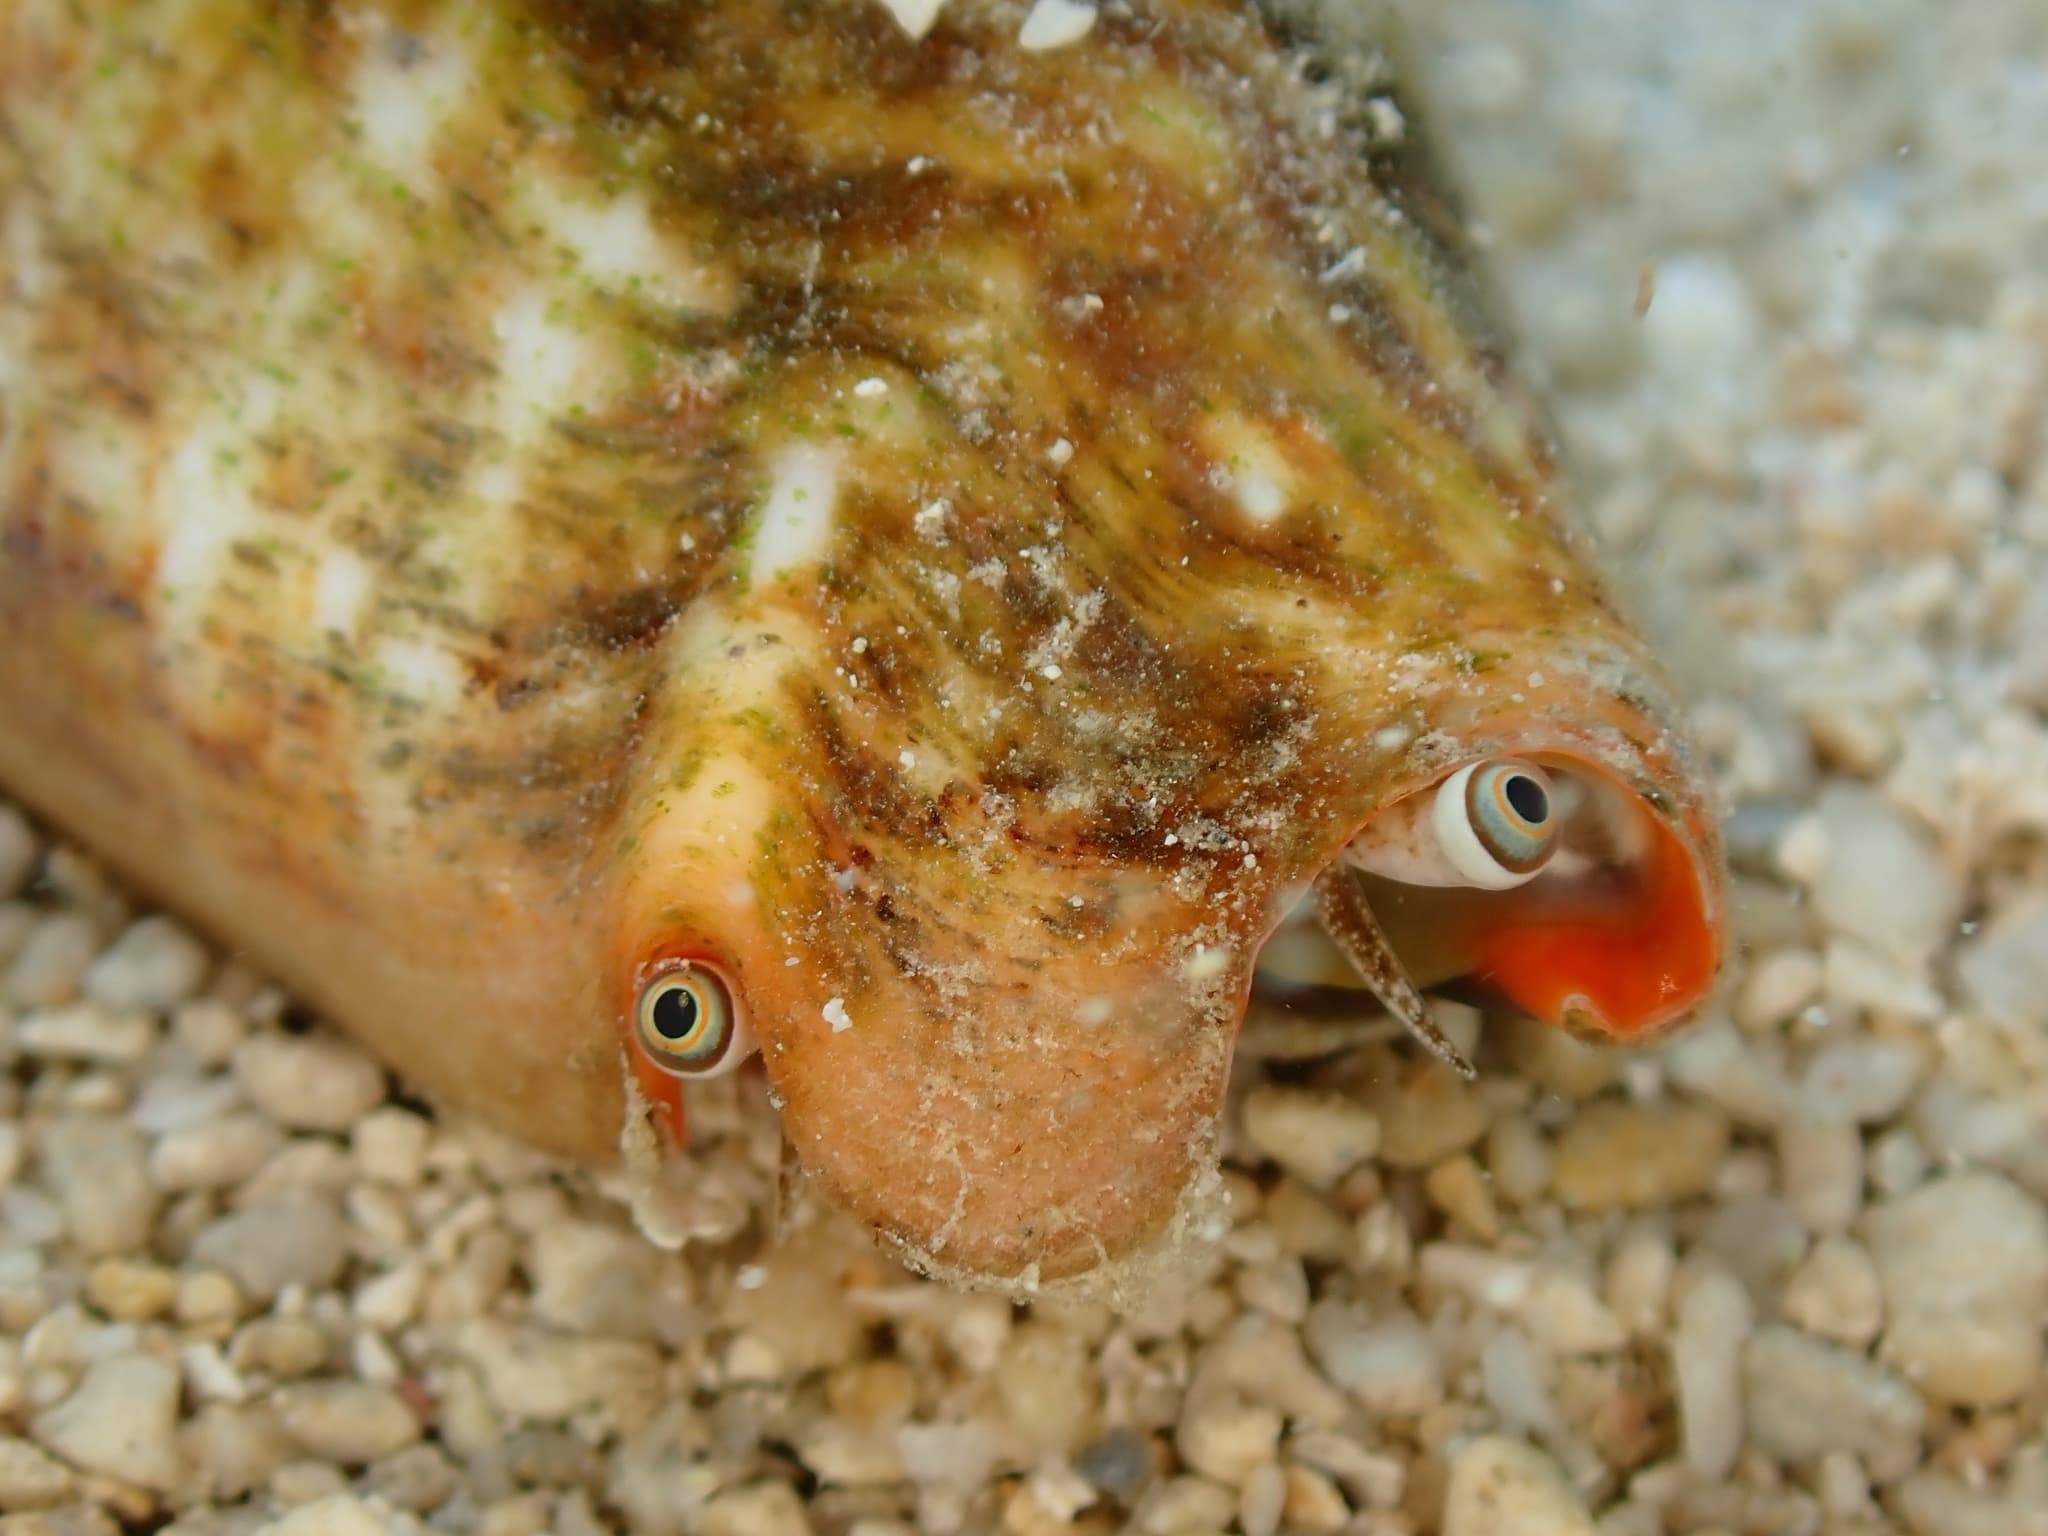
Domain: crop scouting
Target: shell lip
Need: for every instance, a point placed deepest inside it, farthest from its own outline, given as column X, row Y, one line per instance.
column 1621, row 952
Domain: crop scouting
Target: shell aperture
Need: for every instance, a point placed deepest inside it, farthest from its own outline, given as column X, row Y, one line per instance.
column 1609, row 932
column 1604, row 929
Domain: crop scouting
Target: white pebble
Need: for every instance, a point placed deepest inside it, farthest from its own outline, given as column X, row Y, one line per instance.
column 545, row 1376
column 391, row 1300
column 121, row 1421
column 1834, row 1293
column 87, row 1030
column 1513, row 1382
column 1883, row 883
column 29, row 1219
column 214, row 1154
column 1262, row 1502
column 1858, row 976
column 30, row 1478
column 1385, row 1359
column 391, row 1145
column 1777, row 987
column 1568, row 1317
column 2004, row 969
column 350, row 1422
column 1804, row 1397
column 1821, row 1164
column 277, row 1244
column 1964, row 1266
column 1637, row 1284
column 1501, row 1487
column 1317, row 1137
column 1714, row 1321
column 1861, row 1081
column 1898, row 1162
column 154, row 965
column 209, row 1030
column 1179, row 1506
column 308, row 1083
column 96, row 1167
column 961, row 1454
column 1226, row 1439
column 166, row 1104
column 337, row 1514
column 1518, row 1158
column 1932, row 1504
column 1702, row 323
column 599, row 1278
column 1714, row 1061
column 50, row 966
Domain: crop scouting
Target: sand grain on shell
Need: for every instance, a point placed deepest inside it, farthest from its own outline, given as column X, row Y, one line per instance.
column 1788, row 1274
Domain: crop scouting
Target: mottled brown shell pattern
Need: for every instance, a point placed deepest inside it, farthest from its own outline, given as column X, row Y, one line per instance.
column 496, row 494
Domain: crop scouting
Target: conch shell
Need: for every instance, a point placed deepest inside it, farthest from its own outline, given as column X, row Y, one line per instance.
column 592, row 538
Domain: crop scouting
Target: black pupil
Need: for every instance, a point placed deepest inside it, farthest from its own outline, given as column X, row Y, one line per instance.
column 675, row 1013
column 1526, row 798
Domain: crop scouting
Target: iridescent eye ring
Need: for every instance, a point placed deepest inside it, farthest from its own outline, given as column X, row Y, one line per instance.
column 1497, row 821
column 689, row 1024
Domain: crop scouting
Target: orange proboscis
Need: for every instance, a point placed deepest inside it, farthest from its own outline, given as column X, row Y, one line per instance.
column 1637, row 958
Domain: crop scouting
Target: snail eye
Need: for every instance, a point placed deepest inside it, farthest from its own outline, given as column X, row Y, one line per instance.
column 689, row 1025
column 1498, row 822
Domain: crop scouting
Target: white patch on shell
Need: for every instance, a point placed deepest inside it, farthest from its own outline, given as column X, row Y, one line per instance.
column 545, row 368
column 1055, row 24
column 542, row 361
column 1260, row 494
column 914, row 16
column 341, row 588
column 796, row 522
column 617, row 246
column 836, row 1015
column 1251, row 467
column 421, row 671
column 404, row 91
column 204, row 507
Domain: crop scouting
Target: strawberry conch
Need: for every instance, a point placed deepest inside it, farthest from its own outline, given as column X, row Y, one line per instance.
column 606, row 544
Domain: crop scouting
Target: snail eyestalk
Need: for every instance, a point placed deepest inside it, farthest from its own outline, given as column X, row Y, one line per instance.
column 688, row 1023
column 1492, row 825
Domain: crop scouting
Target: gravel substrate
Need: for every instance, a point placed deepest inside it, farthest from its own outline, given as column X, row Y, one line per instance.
column 1785, row 268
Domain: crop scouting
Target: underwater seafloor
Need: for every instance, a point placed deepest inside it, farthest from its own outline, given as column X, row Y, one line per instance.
column 1784, row 270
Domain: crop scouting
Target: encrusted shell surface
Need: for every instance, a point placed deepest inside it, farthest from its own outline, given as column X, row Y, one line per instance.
column 956, row 532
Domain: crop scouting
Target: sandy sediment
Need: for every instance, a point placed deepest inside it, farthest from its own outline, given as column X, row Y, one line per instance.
column 1783, row 269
